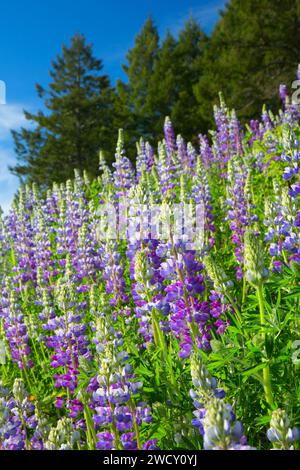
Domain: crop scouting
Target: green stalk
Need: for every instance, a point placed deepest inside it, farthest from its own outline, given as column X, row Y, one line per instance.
column 164, row 348
column 154, row 328
column 244, row 290
column 25, row 378
column 266, row 371
column 135, row 425
column 91, row 434
column 238, row 320
column 115, row 431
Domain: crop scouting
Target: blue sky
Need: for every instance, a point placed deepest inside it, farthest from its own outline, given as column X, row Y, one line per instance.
column 31, row 35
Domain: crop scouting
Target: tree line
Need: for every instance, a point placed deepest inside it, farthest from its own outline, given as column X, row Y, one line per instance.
column 253, row 48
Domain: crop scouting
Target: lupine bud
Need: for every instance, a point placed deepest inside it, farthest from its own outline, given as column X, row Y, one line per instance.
column 217, row 274
column 19, row 390
column 221, row 431
column 142, row 270
column 254, row 259
column 205, row 384
column 280, row 432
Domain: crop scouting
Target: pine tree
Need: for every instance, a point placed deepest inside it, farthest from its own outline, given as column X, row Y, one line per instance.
column 133, row 97
column 78, row 120
column 163, row 88
column 177, row 69
column 188, row 58
column 160, row 83
column 254, row 48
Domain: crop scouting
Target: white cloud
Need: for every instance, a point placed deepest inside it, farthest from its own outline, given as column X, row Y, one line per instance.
column 8, row 182
column 11, row 117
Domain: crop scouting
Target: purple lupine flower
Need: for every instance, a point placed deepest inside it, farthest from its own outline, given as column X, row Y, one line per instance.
column 16, row 333
column 221, row 430
column 169, row 137
column 214, row 418
column 240, row 209
column 283, row 92
column 124, row 174
column 19, row 418
column 115, row 389
column 105, row 441
column 128, row 441
column 113, row 275
column 201, row 195
column 150, row 445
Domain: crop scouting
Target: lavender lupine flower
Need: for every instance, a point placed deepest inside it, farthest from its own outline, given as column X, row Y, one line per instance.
column 17, row 418
column 283, row 214
column 123, row 175
column 63, row 436
column 206, row 153
column 105, row 440
column 141, row 160
column 16, row 333
column 192, row 156
column 267, row 120
column 280, row 234
column 69, row 340
column 41, row 431
column 50, row 206
column 221, row 430
column 20, row 232
column 106, row 175
column 227, row 140
column 214, row 418
column 86, row 259
column 257, row 131
column 201, row 194
column 190, row 318
column 116, row 417
column 283, row 92
column 73, row 213
column 42, row 249
column 150, row 161
column 4, row 245
column 183, row 153
column 169, row 138
column 280, row 433
column 240, row 209
column 206, row 386
column 151, row 445
column 146, row 292
column 221, row 139
column 113, row 274
column 235, row 134
column 167, row 169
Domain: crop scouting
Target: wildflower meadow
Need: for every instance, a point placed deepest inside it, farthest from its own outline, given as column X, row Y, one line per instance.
column 157, row 306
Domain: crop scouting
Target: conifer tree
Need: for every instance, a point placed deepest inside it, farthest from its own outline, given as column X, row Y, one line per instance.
column 77, row 121
column 133, row 97
column 253, row 49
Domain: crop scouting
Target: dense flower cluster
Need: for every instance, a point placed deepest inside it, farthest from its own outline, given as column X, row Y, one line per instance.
column 112, row 290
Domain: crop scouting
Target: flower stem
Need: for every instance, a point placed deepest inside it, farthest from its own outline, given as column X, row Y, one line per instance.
column 266, row 371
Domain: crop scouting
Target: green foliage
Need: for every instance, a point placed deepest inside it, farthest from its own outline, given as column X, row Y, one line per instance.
column 252, row 50
column 161, row 80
